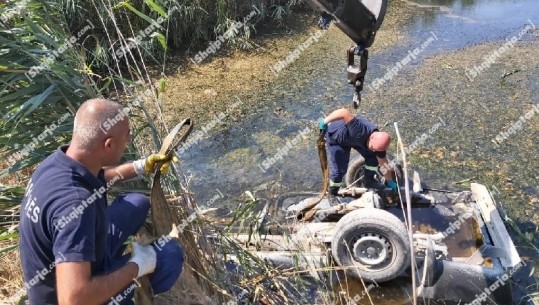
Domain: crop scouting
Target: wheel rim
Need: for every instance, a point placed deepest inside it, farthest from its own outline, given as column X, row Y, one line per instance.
column 372, row 249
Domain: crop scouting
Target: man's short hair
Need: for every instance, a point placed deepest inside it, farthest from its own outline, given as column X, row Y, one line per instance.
column 89, row 119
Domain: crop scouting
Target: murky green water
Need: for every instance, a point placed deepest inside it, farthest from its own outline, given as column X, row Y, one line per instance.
column 231, row 160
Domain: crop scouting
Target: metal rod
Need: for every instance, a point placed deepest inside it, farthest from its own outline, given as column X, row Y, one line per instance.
column 409, row 212
column 438, row 190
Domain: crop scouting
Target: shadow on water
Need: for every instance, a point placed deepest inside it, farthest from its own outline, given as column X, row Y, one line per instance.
column 231, row 161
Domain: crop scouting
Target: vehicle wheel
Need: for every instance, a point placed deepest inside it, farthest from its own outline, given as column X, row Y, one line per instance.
column 373, row 243
column 356, row 171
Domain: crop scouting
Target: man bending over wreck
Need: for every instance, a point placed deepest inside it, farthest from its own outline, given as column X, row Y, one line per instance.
column 71, row 240
column 345, row 132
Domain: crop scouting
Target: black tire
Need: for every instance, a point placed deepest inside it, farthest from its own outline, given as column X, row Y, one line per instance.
column 380, row 234
column 356, row 170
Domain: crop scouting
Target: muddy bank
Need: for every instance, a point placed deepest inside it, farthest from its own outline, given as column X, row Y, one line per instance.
column 203, row 90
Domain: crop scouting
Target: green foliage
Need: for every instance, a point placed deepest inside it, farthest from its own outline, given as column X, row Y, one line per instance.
column 44, row 80
column 189, row 24
column 38, row 106
column 10, row 196
column 278, row 12
column 34, row 100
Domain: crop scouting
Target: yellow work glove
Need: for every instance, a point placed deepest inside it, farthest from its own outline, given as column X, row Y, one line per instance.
column 147, row 165
column 165, row 166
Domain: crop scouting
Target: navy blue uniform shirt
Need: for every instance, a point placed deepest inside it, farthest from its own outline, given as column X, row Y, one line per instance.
column 63, row 219
column 354, row 134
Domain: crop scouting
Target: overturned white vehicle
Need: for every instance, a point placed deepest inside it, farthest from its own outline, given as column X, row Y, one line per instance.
column 460, row 243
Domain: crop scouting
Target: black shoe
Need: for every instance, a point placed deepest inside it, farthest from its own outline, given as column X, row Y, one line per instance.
column 334, row 190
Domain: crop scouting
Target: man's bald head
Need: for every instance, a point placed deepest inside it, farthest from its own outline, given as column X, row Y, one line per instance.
column 379, row 141
column 97, row 119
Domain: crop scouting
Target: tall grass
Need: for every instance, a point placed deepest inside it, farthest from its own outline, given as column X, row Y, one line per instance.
column 32, row 106
column 191, row 24
column 91, row 68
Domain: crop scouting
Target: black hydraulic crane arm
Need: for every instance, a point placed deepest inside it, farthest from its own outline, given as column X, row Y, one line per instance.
column 359, row 20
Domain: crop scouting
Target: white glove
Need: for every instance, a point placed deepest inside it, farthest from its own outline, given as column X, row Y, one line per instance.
column 145, row 258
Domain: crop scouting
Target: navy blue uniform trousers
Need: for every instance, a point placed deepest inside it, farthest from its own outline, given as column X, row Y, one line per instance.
column 127, row 214
column 339, row 157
